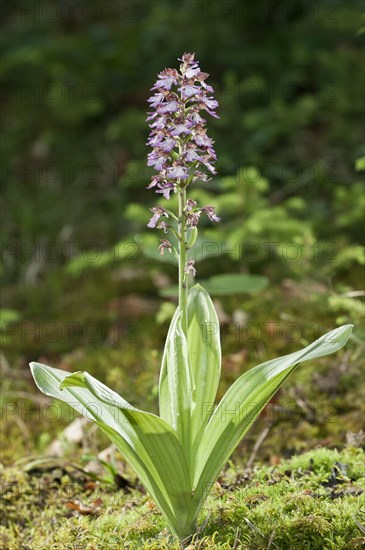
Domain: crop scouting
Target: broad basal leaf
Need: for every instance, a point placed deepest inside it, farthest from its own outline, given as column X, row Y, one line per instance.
column 245, row 399
column 178, row 384
column 189, row 380
column 204, row 356
column 147, row 442
column 175, row 385
column 165, row 402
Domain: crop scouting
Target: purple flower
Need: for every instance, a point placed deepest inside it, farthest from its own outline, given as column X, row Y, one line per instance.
column 195, row 118
column 170, row 107
column 209, row 166
column 183, row 128
column 155, row 181
column 164, row 82
column 181, row 150
column 211, row 153
column 188, row 91
column 203, row 140
column 156, row 99
column 200, row 176
column 210, row 212
column 193, row 218
column 208, row 88
column 158, row 211
column 165, row 189
column 189, row 266
column 192, row 214
column 190, row 73
column 191, row 156
column 178, row 172
column 168, row 144
column 159, row 124
column 163, row 225
column 154, row 140
column 158, row 162
column 166, row 79
column 190, row 204
column 210, row 102
column 165, row 245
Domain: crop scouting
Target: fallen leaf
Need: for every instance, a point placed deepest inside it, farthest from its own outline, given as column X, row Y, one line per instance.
column 82, row 509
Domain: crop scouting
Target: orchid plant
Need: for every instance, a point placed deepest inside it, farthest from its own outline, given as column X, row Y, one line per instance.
column 179, row 454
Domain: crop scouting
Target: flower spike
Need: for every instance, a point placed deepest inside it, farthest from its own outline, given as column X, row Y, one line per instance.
column 181, row 151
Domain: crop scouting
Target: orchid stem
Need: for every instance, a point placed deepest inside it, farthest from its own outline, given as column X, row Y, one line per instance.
column 183, row 280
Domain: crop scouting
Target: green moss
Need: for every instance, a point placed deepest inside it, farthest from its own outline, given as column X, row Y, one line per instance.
column 311, row 501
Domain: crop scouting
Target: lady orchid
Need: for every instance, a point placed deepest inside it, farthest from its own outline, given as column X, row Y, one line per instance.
column 179, row 454
column 182, row 153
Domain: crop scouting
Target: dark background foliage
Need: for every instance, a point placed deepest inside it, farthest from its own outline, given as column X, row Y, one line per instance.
column 75, row 78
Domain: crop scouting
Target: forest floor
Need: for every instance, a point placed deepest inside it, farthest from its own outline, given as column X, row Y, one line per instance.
column 295, row 482
column 312, row 501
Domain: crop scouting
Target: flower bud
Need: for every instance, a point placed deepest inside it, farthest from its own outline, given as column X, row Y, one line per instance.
column 192, row 237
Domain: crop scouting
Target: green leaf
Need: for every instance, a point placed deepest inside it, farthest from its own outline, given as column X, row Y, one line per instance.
column 8, row 316
column 243, row 402
column 170, row 291
column 124, row 251
column 165, row 405
column 204, row 354
column 228, row 284
column 360, row 164
column 235, row 283
column 190, row 372
column 178, row 390
column 148, row 443
column 205, row 248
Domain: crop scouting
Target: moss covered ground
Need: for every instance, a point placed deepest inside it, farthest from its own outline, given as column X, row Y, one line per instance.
column 295, row 481
column 311, row 501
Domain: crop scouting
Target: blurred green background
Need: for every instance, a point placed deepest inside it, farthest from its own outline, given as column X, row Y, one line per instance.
column 83, row 286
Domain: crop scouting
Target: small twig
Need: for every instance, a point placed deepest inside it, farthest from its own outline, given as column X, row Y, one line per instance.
column 4, row 363
column 238, row 533
column 359, row 524
column 258, row 444
column 271, row 539
column 200, row 529
column 27, row 395
column 254, row 528
column 23, row 428
column 304, row 405
column 353, row 293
